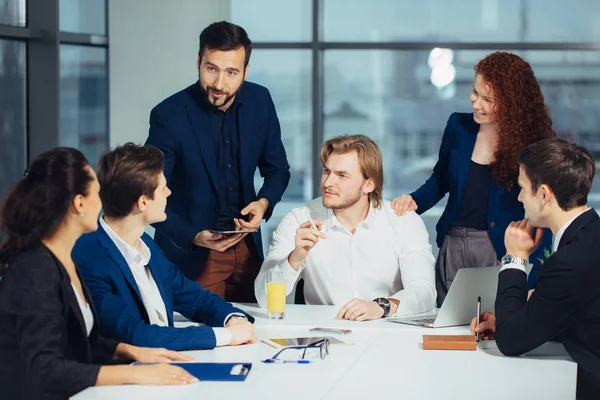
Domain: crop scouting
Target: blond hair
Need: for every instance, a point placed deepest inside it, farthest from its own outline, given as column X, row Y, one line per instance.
column 369, row 160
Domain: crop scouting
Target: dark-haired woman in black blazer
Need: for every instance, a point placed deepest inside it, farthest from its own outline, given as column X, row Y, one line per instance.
column 49, row 342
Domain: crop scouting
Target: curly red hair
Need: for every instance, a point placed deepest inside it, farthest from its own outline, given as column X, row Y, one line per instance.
column 523, row 117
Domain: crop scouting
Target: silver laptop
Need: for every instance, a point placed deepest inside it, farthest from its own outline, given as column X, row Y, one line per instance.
column 460, row 305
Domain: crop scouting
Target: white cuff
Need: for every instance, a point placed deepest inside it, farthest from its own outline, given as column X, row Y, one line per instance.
column 233, row 314
column 223, row 336
column 290, row 270
column 513, row 266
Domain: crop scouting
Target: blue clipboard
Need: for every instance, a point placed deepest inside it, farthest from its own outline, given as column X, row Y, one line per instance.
column 231, row 372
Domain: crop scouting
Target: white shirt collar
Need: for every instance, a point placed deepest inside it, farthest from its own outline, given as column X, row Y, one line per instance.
column 562, row 230
column 332, row 220
column 138, row 255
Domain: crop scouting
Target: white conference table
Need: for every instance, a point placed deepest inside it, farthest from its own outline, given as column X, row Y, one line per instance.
column 385, row 361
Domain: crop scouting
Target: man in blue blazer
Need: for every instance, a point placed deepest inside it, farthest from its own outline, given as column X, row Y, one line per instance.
column 135, row 288
column 214, row 135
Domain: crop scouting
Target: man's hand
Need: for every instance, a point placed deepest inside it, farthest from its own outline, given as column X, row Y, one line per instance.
column 216, row 241
column 487, row 326
column 235, row 321
column 519, row 240
column 360, row 310
column 256, row 210
column 306, row 238
column 242, row 332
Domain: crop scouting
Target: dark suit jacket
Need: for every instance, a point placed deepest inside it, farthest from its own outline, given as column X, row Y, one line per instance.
column 179, row 127
column 122, row 313
column 564, row 306
column 449, row 176
column 45, row 352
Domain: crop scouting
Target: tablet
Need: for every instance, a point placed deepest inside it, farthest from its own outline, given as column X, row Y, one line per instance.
column 302, row 341
column 231, row 232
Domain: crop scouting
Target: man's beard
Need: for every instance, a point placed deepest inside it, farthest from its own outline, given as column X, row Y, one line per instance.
column 345, row 203
column 226, row 100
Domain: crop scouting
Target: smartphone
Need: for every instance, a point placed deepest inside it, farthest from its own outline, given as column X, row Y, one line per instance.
column 331, row 330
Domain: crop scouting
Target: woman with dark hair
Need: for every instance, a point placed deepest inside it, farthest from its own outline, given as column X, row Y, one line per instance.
column 49, row 342
column 477, row 166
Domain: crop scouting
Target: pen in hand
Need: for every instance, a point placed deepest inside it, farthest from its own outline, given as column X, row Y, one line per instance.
column 478, row 318
column 312, row 223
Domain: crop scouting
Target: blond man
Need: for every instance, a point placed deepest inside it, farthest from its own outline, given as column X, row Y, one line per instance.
column 355, row 253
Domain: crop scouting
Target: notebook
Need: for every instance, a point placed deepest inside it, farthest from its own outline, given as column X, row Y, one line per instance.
column 215, row 371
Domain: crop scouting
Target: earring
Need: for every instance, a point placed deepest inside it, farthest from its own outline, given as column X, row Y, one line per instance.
column 81, row 214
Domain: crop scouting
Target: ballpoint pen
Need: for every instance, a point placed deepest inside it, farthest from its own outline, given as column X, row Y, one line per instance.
column 278, row 361
column 312, row 223
column 478, row 319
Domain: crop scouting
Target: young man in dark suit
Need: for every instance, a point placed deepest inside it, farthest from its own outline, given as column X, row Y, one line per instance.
column 555, row 178
column 215, row 134
column 135, row 288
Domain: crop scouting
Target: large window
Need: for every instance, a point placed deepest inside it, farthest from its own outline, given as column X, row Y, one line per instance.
column 292, row 98
column 53, row 81
column 84, row 100
column 468, row 21
column 13, row 155
column 12, row 12
column 349, row 66
column 87, row 16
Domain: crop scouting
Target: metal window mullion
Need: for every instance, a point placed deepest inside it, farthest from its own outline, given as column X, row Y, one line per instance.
column 18, row 33
column 83, row 39
column 492, row 46
column 43, row 77
column 317, row 98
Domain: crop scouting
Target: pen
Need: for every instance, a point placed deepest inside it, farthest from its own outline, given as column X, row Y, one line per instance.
column 269, row 344
column 332, row 330
column 312, row 223
column 478, row 318
column 278, row 361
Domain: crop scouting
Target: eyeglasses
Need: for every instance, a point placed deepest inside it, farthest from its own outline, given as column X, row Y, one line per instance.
column 322, row 345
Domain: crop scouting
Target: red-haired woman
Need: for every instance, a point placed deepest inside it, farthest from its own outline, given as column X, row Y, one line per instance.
column 477, row 167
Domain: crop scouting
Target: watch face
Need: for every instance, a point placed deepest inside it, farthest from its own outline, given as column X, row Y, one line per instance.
column 383, row 301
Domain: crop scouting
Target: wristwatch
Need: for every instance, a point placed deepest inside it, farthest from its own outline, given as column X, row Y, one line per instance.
column 383, row 303
column 237, row 316
column 510, row 259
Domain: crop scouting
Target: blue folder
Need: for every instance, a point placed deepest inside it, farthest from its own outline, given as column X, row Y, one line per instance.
column 215, row 371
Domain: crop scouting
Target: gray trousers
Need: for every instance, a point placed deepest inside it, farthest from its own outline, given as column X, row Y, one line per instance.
column 462, row 248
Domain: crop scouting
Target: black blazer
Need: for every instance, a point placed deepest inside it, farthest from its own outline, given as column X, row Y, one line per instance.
column 565, row 305
column 45, row 352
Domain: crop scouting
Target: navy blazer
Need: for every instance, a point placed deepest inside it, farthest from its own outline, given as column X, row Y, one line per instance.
column 449, row 176
column 178, row 126
column 119, row 303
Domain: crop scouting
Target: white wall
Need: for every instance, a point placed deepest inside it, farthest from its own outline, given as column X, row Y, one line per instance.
column 152, row 54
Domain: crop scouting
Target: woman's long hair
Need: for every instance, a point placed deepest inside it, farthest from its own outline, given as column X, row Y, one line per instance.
column 35, row 206
column 523, row 117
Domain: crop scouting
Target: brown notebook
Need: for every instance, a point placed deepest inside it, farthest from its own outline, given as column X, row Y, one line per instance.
column 449, row 342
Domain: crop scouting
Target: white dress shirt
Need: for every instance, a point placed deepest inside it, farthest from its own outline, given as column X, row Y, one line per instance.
column 138, row 258
column 555, row 244
column 387, row 256
column 88, row 316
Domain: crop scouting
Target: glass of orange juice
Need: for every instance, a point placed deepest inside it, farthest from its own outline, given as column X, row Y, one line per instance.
column 275, row 295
